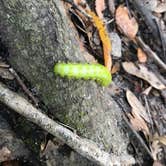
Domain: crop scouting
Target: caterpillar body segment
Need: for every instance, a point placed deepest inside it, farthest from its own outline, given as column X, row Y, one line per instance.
column 84, row 71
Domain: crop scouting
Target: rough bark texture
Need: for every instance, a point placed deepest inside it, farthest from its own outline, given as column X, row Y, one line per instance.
column 38, row 34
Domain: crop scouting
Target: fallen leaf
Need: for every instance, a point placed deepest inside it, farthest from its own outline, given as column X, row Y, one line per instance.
column 142, row 72
column 137, row 114
column 137, row 106
column 157, row 163
column 127, row 25
column 161, row 8
column 100, row 7
column 5, row 154
column 115, row 68
column 3, row 64
column 147, row 91
column 156, row 145
column 155, row 148
column 141, row 55
column 161, row 139
column 138, row 123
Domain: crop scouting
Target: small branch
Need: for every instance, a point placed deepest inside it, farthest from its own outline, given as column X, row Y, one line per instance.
column 141, row 141
column 150, row 53
column 26, row 90
column 137, row 136
column 83, row 146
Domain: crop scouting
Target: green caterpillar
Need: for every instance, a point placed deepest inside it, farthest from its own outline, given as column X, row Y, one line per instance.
column 84, row 71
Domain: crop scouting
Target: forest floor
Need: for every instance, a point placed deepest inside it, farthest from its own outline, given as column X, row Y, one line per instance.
column 129, row 38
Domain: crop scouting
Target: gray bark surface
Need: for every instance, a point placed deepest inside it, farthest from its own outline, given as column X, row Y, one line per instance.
column 38, row 34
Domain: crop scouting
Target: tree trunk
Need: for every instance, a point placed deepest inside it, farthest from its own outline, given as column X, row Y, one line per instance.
column 38, row 34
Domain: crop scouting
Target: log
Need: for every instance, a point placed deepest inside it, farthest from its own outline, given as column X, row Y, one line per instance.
column 38, row 34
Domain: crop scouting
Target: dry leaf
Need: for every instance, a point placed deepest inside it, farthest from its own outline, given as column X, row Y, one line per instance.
column 3, row 64
column 157, row 163
column 147, row 91
column 144, row 73
column 138, row 123
column 126, row 24
column 115, row 68
column 137, row 106
column 161, row 8
column 5, row 154
column 141, row 55
column 155, row 148
column 156, row 145
column 138, row 111
column 100, row 7
column 161, row 139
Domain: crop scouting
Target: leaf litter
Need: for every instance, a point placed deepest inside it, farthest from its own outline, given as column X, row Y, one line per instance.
column 136, row 58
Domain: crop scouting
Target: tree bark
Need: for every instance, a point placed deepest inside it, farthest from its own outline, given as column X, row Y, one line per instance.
column 38, row 34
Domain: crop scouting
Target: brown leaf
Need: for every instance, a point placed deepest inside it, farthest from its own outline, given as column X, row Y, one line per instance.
column 138, row 123
column 3, row 64
column 100, row 7
column 161, row 139
column 141, row 55
column 156, row 145
column 155, row 148
column 5, row 154
column 137, row 106
column 161, row 8
column 144, row 73
column 115, row 68
column 147, row 91
column 157, row 163
column 126, row 24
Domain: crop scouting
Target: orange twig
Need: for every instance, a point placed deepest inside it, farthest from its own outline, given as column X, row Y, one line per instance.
column 107, row 48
